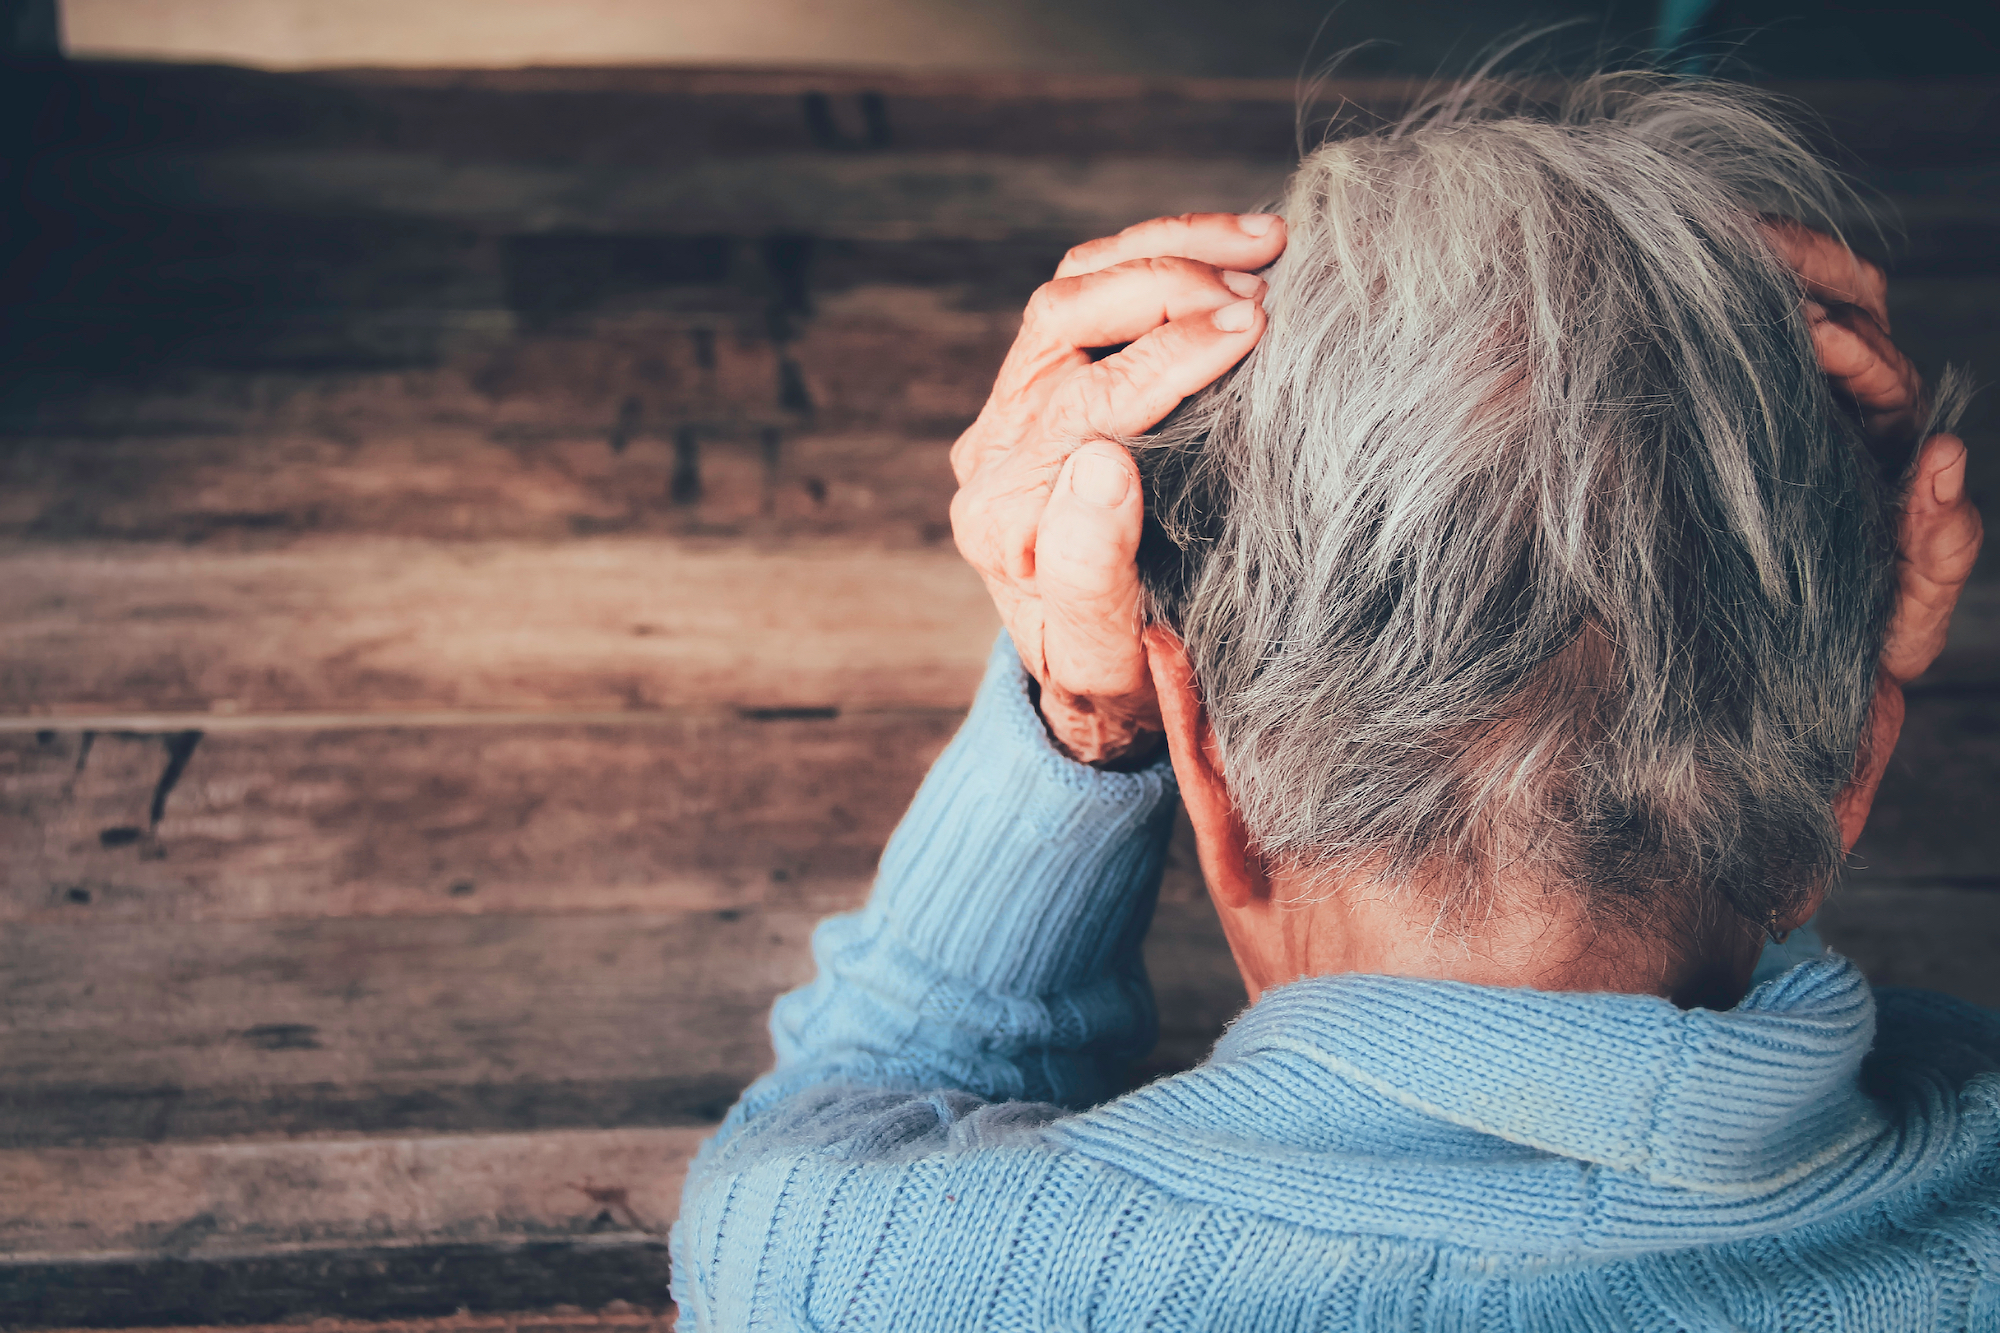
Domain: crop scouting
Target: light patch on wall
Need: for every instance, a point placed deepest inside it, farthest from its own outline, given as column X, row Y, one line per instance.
column 280, row 34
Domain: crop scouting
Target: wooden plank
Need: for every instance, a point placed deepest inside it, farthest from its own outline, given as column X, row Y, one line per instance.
column 1932, row 819
column 223, row 1200
column 880, row 197
column 454, row 484
column 177, row 1030
column 618, row 1317
column 687, row 813
column 885, row 196
column 162, row 1031
column 318, row 1286
column 718, row 479
column 380, row 625
column 650, row 115
column 643, row 335
column 1941, row 938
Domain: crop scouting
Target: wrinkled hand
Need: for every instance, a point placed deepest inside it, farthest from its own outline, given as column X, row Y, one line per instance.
column 1048, row 508
column 1937, row 543
column 1939, row 531
column 1847, row 304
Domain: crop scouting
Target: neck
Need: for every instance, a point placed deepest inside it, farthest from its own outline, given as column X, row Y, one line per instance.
column 1298, row 926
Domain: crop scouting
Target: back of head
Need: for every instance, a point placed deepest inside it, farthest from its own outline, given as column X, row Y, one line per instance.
column 1529, row 545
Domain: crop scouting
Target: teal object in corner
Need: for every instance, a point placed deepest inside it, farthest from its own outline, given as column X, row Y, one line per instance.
column 935, row 1150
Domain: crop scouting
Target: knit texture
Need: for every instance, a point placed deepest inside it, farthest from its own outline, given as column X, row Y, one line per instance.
column 935, row 1148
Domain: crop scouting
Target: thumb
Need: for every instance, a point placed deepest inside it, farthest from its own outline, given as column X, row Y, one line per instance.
column 1087, row 575
column 1937, row 545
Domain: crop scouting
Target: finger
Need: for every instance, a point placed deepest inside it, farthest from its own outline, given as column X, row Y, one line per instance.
column 1092, row 310
column 1121, row 303
column 1087, row 574
column 1242, row 241
column 1130, row 392
column 1829, row 270
column 1938, row 543
column 994, row 517
column 1864, row 365
column 998, row 510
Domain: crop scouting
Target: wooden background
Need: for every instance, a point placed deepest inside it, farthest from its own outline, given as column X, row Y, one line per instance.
column 477, row 588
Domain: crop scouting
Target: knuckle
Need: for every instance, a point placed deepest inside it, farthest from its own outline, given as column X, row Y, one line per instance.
column 1172, row 266
column 972, row 530
column 962, row 521
column 1087, row 254
column 1041, row 304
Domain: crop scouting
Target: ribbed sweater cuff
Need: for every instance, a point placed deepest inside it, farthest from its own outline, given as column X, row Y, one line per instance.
column 1016, row 867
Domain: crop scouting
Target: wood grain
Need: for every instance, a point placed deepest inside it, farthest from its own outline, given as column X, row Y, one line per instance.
column 683, row 814
column 649, row 115
column 384, row 625
column 615, row 1320
column 1933, row 817
column 366, row 1283
column 217, row 1200
column 479, row 588
column 1941, row 938
column 344, row 1021
column 165, row 1031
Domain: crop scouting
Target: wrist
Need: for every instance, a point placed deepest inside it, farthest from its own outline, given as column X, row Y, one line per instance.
column 1108, row 736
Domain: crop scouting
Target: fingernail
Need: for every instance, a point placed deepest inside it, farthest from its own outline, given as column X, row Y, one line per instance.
column 1236, row 317
column 1097, row 480
column 1949, row 483
column 1256, row 224
column 1243, row 284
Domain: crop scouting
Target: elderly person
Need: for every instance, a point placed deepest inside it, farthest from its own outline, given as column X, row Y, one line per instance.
column 1523, row 623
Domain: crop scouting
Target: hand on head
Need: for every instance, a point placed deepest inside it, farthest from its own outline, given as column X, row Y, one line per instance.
column 1048, row 508
column 1847, row 303
column 1939, row 531
column 1937, row 540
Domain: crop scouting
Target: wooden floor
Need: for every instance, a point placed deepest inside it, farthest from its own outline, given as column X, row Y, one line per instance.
column 474, row 556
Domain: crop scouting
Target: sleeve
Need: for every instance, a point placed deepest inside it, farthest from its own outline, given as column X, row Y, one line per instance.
column 998, row 955
column 992, row 980
column 999, row 952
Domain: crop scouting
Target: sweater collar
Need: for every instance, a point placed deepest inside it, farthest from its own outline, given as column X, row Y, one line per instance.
column 1385, row 1104
column 1697, row 1098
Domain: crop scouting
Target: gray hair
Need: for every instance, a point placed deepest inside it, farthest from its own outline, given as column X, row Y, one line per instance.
column 1530, row 539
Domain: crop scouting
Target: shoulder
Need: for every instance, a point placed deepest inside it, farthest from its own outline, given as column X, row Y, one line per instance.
column 834, row 1192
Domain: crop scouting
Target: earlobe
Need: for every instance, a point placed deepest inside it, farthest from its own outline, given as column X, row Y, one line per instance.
column 1234, row 873
column 1885, row 725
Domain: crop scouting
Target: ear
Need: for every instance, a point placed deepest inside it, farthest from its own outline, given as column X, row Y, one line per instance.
column 1885, row 725
column 1937, row 542
column 1235, row 874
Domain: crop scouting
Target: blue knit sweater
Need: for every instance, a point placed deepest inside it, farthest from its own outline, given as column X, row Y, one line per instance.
column 935, row 1150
